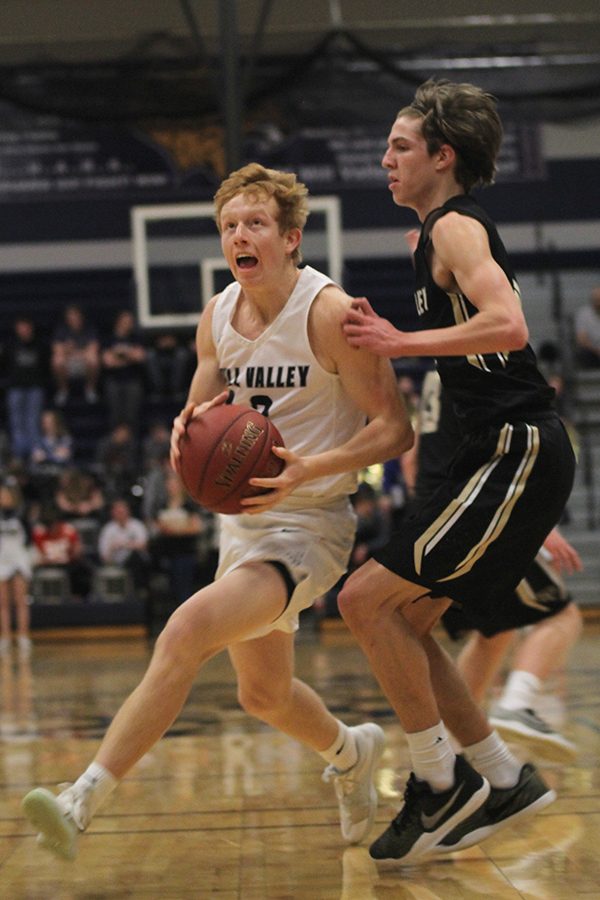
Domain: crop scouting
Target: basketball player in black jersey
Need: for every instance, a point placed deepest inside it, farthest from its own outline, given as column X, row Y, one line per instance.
column 541, row 598
column 472, row 540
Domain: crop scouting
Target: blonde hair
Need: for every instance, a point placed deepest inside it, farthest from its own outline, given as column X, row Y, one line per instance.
column 290, row 195
column 465, row 117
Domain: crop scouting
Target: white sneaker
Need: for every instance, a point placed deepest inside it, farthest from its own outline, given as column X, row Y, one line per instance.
column 526, row 724
column 354, row 788
column 59, row 819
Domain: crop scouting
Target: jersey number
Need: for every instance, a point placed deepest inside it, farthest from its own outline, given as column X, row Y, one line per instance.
column 258, row 401
column 262, row 403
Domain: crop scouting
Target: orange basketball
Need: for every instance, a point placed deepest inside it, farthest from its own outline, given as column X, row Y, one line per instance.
column 222, row 449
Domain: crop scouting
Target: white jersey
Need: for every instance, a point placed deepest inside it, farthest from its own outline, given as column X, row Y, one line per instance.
column 278, row 374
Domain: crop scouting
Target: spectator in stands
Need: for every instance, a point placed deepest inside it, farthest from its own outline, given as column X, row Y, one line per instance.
column 123, row 541
column 117, row 460
column 156, row 445
column 124, row 368
column 75, row 356
column 15, row 569
column 175, row 529
column 57, row 543
column 78, row 495
column 26, row 361
column 53, row 452
column 587, row 332
column 168, row 367
column 155, row 488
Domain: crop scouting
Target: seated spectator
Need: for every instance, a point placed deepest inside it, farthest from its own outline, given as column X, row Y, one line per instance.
column 117, row 461
column 75, row 356
column 53, row 452
column 78, row 495
column 123, row 360
column 57, row 543
column 168, row 363
column 155, row 488
column 26, row 359
column 123, row 541
column 587, row 332
column 175, row 529
column 156, row 446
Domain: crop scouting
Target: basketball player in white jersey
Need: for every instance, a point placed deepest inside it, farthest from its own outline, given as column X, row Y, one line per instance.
column 273, row 339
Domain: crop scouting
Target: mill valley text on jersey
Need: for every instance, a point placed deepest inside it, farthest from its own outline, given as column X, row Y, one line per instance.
column 288, row 376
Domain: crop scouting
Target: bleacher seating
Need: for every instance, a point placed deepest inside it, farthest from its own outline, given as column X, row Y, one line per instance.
column 112, row 584
column 50, row 586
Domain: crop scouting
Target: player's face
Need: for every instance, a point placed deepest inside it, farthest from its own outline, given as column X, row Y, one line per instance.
column 410, row 167
column 251, row 240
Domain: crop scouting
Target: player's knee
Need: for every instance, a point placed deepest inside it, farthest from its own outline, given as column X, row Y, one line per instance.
column 261, row 700
column 178, row 642
column 352, row 606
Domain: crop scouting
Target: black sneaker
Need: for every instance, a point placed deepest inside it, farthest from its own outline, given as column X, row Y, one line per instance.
column 427, row 817
column 503, row 807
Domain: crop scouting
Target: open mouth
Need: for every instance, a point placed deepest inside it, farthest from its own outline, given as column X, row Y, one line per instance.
column 246, row 261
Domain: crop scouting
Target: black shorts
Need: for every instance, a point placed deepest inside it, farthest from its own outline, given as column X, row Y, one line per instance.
column 540, row 594
column 475, row 537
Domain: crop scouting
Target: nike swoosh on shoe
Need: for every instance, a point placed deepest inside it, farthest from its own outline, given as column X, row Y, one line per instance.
column 429, row 822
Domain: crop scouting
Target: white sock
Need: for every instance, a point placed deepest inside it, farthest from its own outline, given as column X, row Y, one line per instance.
column 432, row 757
column 97, row 783
column 492, row 759
column 520, row 691
column 343, row 753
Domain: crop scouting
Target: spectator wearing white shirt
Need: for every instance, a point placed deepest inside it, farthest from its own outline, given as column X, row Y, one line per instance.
column 123, row 541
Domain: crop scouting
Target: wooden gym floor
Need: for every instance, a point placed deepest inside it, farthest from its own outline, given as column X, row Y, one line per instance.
column 225, row 808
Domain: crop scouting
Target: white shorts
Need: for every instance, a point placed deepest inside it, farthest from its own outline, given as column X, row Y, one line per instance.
column 14, row 559
column 313, row 543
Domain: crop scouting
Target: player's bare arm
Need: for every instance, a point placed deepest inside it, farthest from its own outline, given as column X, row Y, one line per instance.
column 207, row 387
column 461, row 261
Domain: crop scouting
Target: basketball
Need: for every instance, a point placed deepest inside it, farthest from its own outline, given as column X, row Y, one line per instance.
column 221, row 450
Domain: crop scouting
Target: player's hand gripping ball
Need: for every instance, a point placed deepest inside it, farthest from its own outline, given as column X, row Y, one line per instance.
column 222, row 449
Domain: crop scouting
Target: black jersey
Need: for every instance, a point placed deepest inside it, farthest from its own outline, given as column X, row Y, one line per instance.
column 484, row 387
column 439, row 437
